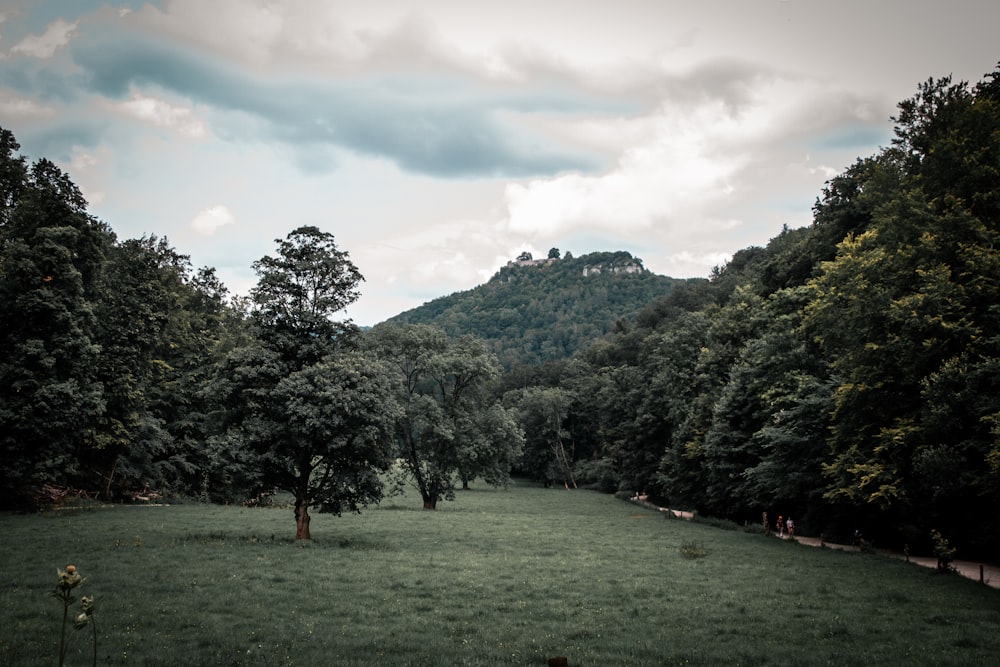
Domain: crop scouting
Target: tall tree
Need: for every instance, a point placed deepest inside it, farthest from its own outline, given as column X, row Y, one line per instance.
column 51, row 257
column 310, row 414
column 548, row 449
column 451, row 427
column 908, row 307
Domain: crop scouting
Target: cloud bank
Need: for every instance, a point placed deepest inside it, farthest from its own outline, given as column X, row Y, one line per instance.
column 437, row 141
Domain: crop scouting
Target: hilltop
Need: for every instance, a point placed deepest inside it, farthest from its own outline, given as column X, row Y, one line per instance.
column 537, row 310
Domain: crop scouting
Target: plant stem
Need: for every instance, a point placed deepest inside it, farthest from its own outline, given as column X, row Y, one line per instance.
column 62, row 637
column 93, row 624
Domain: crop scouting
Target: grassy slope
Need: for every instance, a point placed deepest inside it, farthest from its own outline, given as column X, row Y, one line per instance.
column 497, row 578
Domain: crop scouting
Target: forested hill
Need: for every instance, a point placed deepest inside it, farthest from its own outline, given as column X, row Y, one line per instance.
column 532, row 311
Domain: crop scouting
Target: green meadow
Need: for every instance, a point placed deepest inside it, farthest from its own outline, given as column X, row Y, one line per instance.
column 499, row 577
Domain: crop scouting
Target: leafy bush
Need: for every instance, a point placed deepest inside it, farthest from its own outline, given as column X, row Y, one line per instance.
column 597, row 475
column 724, row 524
column 944, row 552
column 727, row 524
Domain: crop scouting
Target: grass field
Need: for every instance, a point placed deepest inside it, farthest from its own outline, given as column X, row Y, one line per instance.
column 495, row 578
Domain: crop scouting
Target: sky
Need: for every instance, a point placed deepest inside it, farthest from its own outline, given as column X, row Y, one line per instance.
column 437, row 140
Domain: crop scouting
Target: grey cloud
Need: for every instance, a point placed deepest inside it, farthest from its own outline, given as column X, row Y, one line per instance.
column 438, row 125
column 55, row 141
column 853, row 137
column 39, row 80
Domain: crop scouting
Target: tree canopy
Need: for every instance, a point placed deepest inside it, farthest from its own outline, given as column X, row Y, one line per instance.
column 451, row 428
column 309, row 413
column 548, row 310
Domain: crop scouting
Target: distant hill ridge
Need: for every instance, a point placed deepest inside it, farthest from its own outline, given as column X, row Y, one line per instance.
column 621, row 262
column 536, row 310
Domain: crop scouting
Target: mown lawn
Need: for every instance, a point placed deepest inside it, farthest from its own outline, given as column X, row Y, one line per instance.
column 496, row 578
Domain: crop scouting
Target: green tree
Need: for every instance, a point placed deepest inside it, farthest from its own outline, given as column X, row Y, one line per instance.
column 789, row 380
column 451, row 428
column 163, row 331
column 548, row 451
column 310, row 414
column 51, row 257
column 906, row 313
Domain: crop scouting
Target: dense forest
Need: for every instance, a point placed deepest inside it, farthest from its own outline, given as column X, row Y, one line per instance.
column 845, row 374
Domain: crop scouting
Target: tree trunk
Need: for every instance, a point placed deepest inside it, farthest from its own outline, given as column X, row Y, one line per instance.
column 430, row 503
column 302, row 520
column 563, row 461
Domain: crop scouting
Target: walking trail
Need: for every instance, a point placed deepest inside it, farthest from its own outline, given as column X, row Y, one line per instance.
column 982, row 572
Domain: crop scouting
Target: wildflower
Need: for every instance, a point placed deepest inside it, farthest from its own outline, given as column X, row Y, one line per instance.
column 86, row 611
column 68, row 579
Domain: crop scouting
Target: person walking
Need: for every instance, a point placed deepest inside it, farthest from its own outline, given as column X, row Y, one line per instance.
column 791, row 527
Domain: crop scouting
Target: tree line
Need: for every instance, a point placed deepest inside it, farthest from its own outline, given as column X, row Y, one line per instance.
column 126, row 373
column 844, row 374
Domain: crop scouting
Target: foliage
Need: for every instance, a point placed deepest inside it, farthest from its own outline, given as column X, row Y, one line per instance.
column 845, row 373
column 51, row 253
column 68, row 581
column 449, row 427
column 547, row 310
column 104, row 346
column 308, row 413
column 943, row 551
column 597, row 474
column 548, row 453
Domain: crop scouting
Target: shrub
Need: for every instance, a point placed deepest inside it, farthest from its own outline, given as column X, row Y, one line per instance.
column 597, row 475
column 692, row 550
column 944, row 551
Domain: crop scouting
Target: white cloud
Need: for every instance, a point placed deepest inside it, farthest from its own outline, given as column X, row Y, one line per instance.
column 180, row 119
column 683, row 158
column 56, row 35
column 15, row 106
column 210, row 219
column 82, row 159
column 701, row 174
column 689, row 264
column 83, row 164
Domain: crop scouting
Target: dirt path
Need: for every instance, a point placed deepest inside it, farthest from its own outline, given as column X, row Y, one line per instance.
column 987, row 574
column 983, row 572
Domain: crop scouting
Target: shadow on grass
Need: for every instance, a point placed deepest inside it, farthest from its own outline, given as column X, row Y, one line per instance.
column 222, row 539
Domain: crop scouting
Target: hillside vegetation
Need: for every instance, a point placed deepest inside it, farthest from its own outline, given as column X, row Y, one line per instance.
column 532, row 311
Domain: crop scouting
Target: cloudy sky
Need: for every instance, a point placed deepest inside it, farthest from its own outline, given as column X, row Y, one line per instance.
column 438, row 139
